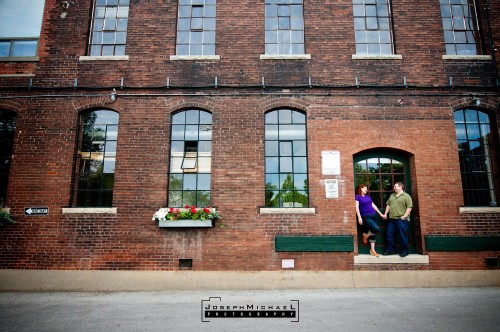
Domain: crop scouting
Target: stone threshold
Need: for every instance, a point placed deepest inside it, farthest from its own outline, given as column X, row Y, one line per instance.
column 391, row 259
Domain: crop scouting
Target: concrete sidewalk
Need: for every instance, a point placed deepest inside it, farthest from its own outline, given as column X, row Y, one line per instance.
column 368, row 309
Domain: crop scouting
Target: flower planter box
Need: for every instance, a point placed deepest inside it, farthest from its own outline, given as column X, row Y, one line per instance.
column 186, row 223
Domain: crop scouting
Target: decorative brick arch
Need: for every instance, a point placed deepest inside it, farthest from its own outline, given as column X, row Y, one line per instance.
column 488, row 103
column 13, row 105
column 386, row 143
column 272, row 102
column 205, row 103
column 82, row 104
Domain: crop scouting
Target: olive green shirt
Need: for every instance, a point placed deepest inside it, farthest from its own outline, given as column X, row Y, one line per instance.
column 399, row 204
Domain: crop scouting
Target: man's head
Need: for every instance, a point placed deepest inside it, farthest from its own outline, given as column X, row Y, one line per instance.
column 399, row 187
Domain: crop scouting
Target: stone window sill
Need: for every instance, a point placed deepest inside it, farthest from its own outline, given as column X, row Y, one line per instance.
column 467, row 57
column 377, row 57
column 105, row 58
column 20, row 59
column 194, row 57
column 89, row 210
column 17, row 75
column 285, row 57
column 391, row 259
column 287, row 210
column 485, row 209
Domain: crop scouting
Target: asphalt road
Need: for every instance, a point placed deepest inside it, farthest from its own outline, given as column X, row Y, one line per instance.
column 374, row 309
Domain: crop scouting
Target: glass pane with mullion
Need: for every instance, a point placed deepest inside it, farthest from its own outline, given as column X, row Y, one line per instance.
column 373, row 165
column 203, row 182
column 271, row 148
column 300, row 198
column 300, row 181
column 272, row 198
column 374, row 183
column 203, row 199
column 82, row 198
column 175, row 198
column 397, row 167
column 399, row 178
column 106, row 199
column 94, row 198
column 175, row 182
column 286, row 181
column 385, row 165
column 272, row 182
column 386, row 182
column 189, row 198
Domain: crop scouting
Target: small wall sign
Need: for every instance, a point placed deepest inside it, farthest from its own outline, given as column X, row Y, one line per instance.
column 36, row 211
column 332, row 188
column 330, row 162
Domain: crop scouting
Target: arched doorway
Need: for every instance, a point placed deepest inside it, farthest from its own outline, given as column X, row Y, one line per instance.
column 379, row 169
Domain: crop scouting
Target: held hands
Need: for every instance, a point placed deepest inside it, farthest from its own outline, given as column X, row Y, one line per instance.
column 383, row 216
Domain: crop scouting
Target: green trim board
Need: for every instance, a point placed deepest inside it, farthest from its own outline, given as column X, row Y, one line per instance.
column 462, row 243
column 326, row 243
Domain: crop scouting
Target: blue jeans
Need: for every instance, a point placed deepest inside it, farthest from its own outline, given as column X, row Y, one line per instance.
column 370, row 223
column 402, row 227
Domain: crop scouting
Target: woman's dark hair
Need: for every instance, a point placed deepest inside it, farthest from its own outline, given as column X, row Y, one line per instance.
column 358, row 189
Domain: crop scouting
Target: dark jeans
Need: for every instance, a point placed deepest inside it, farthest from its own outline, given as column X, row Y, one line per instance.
column 402, row 227
column 370, row 224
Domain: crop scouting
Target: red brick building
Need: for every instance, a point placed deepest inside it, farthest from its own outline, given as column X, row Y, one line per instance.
column 270, row 111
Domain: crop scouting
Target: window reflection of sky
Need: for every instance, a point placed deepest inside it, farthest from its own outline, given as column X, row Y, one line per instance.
column 21, row 18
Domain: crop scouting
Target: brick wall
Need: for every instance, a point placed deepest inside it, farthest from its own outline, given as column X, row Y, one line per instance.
column 416, row 121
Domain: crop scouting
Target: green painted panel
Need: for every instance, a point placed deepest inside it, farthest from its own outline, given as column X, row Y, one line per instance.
column 462, row 243
column 314, row 243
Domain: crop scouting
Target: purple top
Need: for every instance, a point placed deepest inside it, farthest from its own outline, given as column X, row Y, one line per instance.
column 365, row 205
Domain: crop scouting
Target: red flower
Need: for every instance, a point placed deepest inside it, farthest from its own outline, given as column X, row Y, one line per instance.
column 171, row 210
column 193, row 209
column 186, row 206
column 206, row 210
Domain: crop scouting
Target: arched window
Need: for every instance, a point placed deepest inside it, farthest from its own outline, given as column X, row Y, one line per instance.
column 190, row 159
column 95, row 160
column 286, row 159
column 475, row 146
column 7, row 130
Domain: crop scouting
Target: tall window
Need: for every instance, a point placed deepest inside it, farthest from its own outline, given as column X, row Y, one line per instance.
column 108, row 35
column 284, row 27
column 190, row 159
column 475, row 144
column 20, row 25
column 96, row 157
column 286, row 159
column 373, row 27
column 461, row 27
column 7, row 130
column 196, row 27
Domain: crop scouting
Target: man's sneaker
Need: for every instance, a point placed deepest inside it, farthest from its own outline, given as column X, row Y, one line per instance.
column 403, row 254
column 387, row 253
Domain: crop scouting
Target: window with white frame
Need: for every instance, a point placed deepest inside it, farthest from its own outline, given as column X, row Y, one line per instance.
column 94, row 176
column 373, row 27
column 477, row 153
column 284, row 27
column 462, row 33
column 20, row 26
column 108, row 35
column 190, row 158
column 196, row 27
column 7, row 131
column 286, row 159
